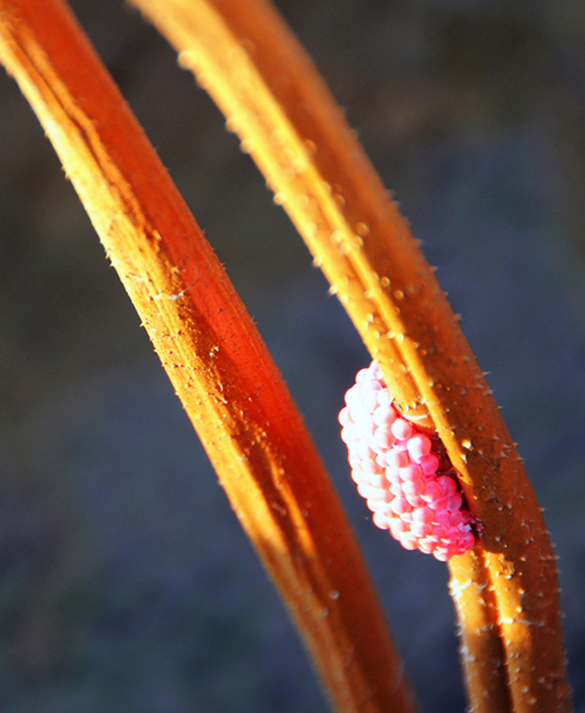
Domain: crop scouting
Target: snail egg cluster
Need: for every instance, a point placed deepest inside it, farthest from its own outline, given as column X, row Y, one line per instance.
column 405, row 477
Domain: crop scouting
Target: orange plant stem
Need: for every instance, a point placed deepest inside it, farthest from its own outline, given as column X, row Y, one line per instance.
column 213, row 355
column 244, row 55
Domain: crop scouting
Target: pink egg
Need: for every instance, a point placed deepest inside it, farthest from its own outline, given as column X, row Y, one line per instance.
column 402, row 429
column 398, row 459
column 429, row 464
column 412, row 473
column 418, row 447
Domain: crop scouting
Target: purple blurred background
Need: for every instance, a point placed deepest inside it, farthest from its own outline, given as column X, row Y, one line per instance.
column 126, row 583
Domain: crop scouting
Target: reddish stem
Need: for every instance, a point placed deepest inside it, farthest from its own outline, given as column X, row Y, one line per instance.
column 213, row 354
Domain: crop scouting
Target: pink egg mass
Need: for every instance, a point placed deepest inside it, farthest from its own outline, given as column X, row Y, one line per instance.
column 403, row 473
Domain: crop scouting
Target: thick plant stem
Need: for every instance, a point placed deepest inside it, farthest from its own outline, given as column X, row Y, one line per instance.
column 244, row 56
column 213, row 355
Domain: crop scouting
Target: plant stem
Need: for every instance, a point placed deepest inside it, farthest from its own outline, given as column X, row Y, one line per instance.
column 244, row 55
column 477, row 613
column 213, row 355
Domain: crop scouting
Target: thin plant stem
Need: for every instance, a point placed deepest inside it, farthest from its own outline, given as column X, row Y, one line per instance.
column 243, row 54
column 213, row 355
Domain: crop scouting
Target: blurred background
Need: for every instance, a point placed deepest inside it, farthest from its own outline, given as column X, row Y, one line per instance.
column 126, row 583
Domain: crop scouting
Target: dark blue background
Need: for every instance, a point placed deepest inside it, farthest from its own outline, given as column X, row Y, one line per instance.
column 126, row 584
